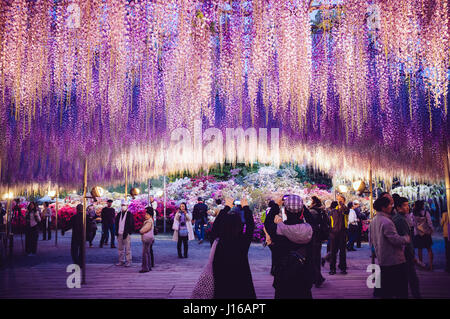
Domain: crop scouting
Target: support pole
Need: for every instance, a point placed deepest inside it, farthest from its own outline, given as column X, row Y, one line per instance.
column 9, row 217
column 56, row 217
column 126, row 183
column 8, row 205
column 83, row 244
column 164, row 203
column 371, row 190
column 447, row 176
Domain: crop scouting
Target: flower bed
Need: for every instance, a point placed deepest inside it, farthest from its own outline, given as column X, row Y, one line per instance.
column 64, row 214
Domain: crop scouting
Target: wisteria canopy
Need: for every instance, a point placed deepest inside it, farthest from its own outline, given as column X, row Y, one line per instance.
column 349, row 83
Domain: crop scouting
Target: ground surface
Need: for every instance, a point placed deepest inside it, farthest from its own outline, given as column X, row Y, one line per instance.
column 44, row 275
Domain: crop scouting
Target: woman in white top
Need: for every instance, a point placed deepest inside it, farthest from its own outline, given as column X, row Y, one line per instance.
column 33, row 219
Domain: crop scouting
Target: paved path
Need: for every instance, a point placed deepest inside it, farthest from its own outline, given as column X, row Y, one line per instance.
column 44, row 276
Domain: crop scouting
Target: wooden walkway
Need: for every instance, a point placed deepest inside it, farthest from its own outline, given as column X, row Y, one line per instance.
column 110, row 282
column 47, row 280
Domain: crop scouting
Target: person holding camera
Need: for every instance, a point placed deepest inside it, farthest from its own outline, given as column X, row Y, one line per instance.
column 183, row 232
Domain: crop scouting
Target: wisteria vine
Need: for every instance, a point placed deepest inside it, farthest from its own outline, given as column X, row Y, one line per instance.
column 108, row 80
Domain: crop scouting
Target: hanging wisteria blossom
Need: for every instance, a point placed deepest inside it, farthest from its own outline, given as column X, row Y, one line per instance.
column 347, row 82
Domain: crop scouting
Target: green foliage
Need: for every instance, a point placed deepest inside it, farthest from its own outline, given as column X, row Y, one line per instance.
column 220, row 172
column 320, row 24
column 310, row 175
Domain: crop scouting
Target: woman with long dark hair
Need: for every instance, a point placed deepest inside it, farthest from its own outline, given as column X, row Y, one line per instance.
column 183, row 232
column 423, row 228
column 33, row 219
column 231, row 270
column 270, row 231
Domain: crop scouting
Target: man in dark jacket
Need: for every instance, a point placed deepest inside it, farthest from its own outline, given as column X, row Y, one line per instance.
column 76, row 224
column 108, row 215
column 338, row 236
column 124, row 229
column 271, row 229
column 218, row 224
column 316, row 211
column 200, row 218
column 402, row 226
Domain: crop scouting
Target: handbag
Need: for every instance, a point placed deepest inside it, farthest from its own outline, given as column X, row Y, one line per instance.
column 183, row 232
column 293, row 269
column 204, row 289
column 148, row 237
column 182, row 228
column 423, row 227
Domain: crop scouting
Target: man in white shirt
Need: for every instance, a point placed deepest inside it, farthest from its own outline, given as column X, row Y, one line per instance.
column 124, row 229
column 352, row 227
column 153, row 203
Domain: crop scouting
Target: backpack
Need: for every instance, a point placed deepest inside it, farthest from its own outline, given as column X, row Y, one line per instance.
column 294, row 269
column 322, row 225
column 182, row 231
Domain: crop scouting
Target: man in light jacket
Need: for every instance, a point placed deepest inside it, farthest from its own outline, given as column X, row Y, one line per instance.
column 124, row 229
column 389, row 249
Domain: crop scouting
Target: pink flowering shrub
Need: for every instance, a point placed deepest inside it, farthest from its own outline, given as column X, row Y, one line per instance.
column 18, row 223
column 64, row 215
column 137, row 208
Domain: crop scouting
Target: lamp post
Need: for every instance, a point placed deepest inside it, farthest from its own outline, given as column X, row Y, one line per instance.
column 342, row 189
column 359, row 186
column 126, row 183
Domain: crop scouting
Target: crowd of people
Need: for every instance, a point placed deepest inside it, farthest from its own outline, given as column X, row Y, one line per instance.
column 294, row 232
